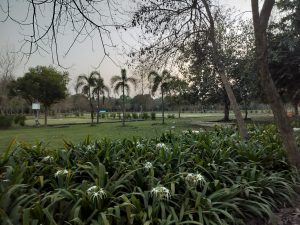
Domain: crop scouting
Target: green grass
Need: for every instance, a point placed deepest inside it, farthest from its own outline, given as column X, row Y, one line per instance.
column 54, row 135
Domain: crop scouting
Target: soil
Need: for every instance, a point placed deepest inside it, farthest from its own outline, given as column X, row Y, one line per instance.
column 285, row 216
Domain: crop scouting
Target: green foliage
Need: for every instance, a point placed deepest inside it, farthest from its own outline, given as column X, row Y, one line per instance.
column 20, row 119
column 195, row 177
column 43, row 84
column 171, row 116
column 5, row 121
column 153, row 116
column 135, row 116
column 145, row 116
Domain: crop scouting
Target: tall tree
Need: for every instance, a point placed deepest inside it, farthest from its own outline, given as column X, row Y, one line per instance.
column 99, row 89
column 42, row 84
column 8, row 64
column 87, row 83
column 122, row 82
column 260, row 23
column 178, row 88
column 160, row 80
column 175, row 23
column 284, row 53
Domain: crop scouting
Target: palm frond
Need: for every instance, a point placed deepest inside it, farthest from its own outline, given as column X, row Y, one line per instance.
column 115, row 79
column 152, row 74
column 118, row 86
column 156, row 82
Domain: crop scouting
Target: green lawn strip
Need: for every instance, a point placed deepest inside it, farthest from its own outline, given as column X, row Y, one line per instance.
column 54, row 136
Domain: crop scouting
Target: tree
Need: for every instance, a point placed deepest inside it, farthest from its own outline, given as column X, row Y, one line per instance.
column 122, row 82
column 47, row 21
column 87, row 83
column 162, row 81
column 284, row 53
column 43, row 84
column 175, row 23
column 260, row 24
column 8, row 64
column 99, row 89
column 178, row 89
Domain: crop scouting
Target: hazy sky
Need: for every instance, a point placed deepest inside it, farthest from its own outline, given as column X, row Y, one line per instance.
column 83, row 57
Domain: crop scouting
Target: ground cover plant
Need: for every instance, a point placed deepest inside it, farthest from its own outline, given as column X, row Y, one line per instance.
column 194, row 177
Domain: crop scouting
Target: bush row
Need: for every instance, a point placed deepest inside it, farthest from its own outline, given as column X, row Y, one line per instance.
column 7, row 121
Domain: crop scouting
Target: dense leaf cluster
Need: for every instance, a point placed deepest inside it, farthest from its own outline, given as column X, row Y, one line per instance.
column 195, row 177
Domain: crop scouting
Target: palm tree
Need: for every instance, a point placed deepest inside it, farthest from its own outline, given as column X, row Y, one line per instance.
column 86, row 83
column 99, row 89
column 163, row 81
column 122, row 82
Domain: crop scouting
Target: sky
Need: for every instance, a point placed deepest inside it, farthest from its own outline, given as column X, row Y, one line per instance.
column 83, row 57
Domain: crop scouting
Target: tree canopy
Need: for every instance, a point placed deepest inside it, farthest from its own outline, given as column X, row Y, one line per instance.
column 41, row 84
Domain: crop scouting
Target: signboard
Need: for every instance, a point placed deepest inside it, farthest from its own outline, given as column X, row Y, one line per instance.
column 36, row 106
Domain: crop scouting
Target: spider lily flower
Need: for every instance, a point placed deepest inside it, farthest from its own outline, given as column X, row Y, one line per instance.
column 48, row 158
column 95, row 193
column 161, row 146
column 161, row 193
column 139, row 145
column 61, row 172
column 195, row 178
column 148, row 165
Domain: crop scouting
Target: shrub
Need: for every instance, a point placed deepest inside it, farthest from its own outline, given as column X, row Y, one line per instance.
column 6, row 122
column 113, row 115
column 153, row 116
column 20, row 119
column 195, row 177
column 145, row 116
column 135, row 116
column 171, row 116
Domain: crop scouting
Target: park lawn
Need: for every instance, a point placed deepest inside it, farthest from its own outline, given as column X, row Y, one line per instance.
column 54, row 136
column 63, row 130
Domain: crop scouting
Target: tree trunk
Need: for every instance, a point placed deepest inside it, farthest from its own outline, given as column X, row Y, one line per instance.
column 123, row 106
column 260, row 22
column 98, row 106
column 296, row 108
column 226, row 108
column 92, row 112
column 162, row 107
column 221, row 71
column 179, row 110
column 46, row 116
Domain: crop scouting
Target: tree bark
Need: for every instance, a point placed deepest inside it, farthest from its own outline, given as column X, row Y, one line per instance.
column 221, row 71
column 98, row 106
column 226, row 108
column 123, row 106
column 260, row 22
column 162, row 105
column 46, row 116
column 296, row 108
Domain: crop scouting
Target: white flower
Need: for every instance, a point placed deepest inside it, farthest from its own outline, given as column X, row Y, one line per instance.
column 148, row 165
column 161, row 146
column 139, row 145
column 195, row 178
column 296, row 129
column 185, row 132
column 48, row 158
column 95, row 192
column 61, row 172
column 172, row 127
column 161, row 193
column 195, row 131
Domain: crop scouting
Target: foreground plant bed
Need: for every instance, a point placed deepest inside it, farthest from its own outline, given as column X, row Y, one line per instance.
column 193, row 178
